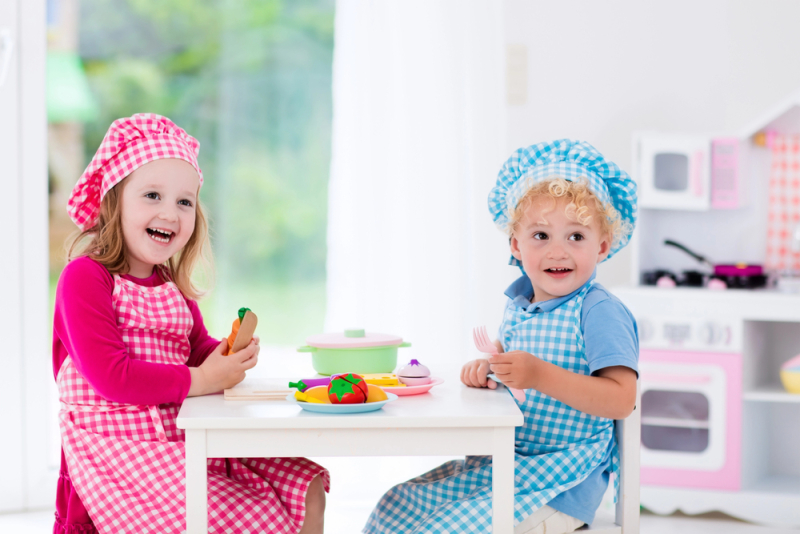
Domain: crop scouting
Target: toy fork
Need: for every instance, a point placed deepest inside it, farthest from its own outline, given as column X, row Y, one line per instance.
column 484, row 344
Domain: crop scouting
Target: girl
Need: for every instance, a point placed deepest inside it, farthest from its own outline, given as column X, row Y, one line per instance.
column 129, row 345
column 564, row 339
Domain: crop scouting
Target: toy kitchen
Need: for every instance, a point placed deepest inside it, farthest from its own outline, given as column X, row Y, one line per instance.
column 716, row 261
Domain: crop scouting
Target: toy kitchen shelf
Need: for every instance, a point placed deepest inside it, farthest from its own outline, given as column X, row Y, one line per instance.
column 763, row 326
column 720, row 433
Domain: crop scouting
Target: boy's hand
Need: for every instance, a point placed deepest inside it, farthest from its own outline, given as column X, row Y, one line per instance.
column 473, row 374
column 220, row 372
column 516, row 369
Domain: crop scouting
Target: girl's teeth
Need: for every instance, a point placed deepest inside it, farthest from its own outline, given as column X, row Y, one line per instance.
column 160, row 239
column 159, row 235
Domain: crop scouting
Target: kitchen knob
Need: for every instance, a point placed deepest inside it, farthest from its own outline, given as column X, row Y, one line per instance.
column 710, row 333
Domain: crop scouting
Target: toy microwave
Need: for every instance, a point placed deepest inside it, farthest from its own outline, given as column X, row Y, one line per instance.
column 688, row 172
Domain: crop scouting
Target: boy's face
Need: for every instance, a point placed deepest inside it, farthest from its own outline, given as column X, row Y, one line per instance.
column 558, row 254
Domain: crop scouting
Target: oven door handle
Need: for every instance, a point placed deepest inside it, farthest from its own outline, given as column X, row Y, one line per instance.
column 675, row 423
column 675, row 379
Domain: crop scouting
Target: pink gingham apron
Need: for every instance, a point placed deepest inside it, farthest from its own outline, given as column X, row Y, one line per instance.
column 127, row 462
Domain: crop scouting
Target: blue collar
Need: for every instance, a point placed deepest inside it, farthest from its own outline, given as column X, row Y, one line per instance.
column 521, row 292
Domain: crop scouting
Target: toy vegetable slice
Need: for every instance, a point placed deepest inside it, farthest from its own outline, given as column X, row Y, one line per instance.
column 347, row 388
column 242, row 331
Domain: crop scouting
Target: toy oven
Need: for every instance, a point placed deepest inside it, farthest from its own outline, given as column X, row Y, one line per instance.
column 691, row 419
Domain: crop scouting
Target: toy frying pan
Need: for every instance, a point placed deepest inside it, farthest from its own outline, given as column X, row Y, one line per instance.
column 246, row 330
column 738, row 269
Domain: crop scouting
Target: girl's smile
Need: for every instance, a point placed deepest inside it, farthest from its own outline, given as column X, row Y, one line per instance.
column 160, row 235
column 158, row 213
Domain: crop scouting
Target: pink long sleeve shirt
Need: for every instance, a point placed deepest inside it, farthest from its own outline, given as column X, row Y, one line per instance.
column 85, row 328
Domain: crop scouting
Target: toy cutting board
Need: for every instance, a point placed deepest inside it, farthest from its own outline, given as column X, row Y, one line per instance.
column 259, row 389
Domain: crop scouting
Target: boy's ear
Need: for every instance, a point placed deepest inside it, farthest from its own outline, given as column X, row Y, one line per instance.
column 515, row 248
column 605, row 248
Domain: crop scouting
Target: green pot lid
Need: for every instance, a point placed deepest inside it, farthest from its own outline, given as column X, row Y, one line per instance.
column 352, row 338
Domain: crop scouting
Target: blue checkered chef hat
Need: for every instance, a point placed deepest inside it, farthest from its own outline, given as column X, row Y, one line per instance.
column 566, row 159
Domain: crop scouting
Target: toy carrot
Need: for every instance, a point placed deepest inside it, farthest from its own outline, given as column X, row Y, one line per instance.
column 242, row 331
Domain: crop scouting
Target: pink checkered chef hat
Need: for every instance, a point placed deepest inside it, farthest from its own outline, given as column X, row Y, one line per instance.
column 129, row 143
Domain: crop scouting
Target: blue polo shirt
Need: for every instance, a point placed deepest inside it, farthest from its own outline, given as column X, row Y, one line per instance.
column 611, row 338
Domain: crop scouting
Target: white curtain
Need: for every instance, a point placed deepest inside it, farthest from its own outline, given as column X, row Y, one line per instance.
column 418, row 139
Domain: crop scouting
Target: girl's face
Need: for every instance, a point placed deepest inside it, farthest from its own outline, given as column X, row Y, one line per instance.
column 558, row 254
column 158, row 213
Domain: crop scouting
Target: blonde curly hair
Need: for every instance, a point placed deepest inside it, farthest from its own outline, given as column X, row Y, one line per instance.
column 582, row 205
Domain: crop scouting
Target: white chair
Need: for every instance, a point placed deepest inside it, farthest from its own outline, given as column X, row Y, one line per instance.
column 629, row 432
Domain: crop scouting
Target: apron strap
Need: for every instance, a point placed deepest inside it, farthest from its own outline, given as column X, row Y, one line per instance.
column 615, row 470
column 155, row 416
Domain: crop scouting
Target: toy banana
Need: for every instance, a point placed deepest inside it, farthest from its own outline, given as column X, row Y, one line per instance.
column 318, row 394
column 299, row 395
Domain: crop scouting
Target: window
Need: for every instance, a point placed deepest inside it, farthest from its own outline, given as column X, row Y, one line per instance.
column 251, row 80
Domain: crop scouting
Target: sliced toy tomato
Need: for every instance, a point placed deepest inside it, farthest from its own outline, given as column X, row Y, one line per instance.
column 348, row 388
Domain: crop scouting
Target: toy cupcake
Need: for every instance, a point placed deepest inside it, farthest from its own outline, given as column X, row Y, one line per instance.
column 414, row 374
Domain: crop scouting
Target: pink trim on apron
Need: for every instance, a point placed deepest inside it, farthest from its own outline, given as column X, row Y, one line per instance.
column 126, row 462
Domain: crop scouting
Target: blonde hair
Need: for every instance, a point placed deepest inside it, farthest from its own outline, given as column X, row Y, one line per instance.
column 582, row 205
column 104, row 243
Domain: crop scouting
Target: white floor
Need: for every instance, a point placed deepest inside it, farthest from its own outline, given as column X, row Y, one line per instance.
column 342, row 519
column 358, row 483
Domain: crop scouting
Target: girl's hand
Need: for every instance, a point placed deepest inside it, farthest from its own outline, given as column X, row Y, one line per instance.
column 473, row 374
column 516, row 369
column 220, row 372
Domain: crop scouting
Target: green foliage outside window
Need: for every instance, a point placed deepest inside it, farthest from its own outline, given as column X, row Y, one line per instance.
column 251, row 80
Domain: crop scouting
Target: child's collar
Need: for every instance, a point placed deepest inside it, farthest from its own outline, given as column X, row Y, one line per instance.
column 521, row 292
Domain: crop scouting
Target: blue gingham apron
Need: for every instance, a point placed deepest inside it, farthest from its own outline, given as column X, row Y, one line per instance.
column 556, row 448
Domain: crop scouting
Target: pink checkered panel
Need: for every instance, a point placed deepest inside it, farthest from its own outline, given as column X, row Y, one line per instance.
column 129, row 469
column 143, row 311
column 784, row 203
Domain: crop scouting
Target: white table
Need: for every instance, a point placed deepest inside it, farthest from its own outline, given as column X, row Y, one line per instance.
column 450, row 420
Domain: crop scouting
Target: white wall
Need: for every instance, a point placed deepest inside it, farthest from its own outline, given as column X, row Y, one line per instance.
column 26, row 481
column 11, row 420
column 418, row 124
column 600, row 70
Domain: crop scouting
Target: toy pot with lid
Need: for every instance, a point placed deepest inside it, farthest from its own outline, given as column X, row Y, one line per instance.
column 354, row 351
